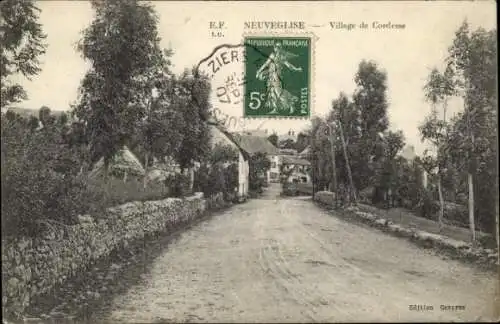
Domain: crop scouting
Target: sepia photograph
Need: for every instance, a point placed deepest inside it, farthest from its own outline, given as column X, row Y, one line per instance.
column 249, row 161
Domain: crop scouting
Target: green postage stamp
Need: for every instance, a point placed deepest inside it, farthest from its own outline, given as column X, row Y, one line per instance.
column 278, row 76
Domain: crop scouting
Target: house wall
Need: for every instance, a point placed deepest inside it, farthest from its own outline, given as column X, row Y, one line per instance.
column 274, row 171
column 243, row 174
column 243, row 169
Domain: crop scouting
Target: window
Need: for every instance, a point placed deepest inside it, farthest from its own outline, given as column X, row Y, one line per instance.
column 274, row 175
column 273, row 165
column 304, row 179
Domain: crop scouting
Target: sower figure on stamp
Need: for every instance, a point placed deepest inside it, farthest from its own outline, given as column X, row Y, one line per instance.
column 278, row 98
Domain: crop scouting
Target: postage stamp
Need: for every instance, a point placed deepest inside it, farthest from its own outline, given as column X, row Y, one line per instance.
column 277, row 76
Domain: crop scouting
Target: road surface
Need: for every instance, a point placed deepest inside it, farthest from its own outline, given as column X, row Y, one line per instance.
column 286, row 260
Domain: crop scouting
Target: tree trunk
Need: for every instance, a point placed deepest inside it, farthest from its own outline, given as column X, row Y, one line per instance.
column 334, row 166
column 146, row 163
column 497, row 221
column 191, row 179
column 471, row 207
column 352, row 189
column 106, row 170
column 441, row 205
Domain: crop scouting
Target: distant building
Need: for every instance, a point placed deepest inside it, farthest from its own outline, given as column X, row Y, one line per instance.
column 253, row 144
column 288, row 151
column 306, row 152
column 275, row 170
column 255, row 132
column 290, row 135
column 408, row 153
column 296, row 164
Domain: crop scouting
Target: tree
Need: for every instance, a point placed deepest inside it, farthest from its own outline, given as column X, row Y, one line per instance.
column 122, row 45
column 370, row 100
column 223, row 154
column 273, row 138
column 259, row 164
column 192, row 99
column 438, row 89
column 159, row 132
column 287, row 144
column 472, row 58
column 387, row 177
column 302, row 141
column 22, row 42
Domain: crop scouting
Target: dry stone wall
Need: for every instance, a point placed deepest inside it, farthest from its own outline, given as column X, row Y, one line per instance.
column 31, row 267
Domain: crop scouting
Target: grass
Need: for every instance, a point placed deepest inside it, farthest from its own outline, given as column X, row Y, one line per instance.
column 408, row 219
column 116, row 191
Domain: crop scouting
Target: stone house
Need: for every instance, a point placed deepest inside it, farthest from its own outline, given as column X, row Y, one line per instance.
column 220, row 136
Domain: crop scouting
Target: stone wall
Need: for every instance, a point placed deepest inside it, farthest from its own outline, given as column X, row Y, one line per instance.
column 31, row 267
column 457, row 249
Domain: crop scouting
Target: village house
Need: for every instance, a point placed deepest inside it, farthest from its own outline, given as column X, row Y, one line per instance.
column 220, row 136
column 258, row 144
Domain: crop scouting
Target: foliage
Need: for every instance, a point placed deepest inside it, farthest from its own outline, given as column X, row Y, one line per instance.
column 22, row 42
column 32, row 268
column 302, row 141
column 370, row 101
column 273, row 138
column 287, row 144
column 220, row 174
column 223, row 153
column 259, row 164
column 472, row 142
column 178, row 185
column 122, row 46
column 40, row 178
column 192, row 99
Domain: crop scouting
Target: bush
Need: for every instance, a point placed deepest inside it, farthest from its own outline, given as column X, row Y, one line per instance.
column 218, row 179
column 178, row 185
column 40, row 182
column 427, row 207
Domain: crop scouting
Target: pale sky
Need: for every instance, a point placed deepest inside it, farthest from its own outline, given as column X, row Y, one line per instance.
column 406, row 55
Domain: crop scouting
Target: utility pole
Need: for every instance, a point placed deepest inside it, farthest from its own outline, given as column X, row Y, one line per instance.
column 348, row 165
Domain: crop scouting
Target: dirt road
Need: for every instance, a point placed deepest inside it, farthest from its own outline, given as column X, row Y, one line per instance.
column 286, row 260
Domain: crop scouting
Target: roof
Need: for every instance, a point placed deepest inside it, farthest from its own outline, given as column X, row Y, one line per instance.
column 230, row 137
column 306, row 151
column 255, row 144
column 124, row 160
column 295, row 160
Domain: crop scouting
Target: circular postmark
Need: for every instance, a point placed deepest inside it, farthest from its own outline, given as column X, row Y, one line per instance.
column 224, row 67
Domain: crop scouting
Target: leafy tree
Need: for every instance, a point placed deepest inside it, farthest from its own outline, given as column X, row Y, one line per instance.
column 387, row 175
column 302, row 141
column 22, row 42
column 370, row 100
column 160, row 130
column 223, row 154
column 438, row 89
column 472, row 58
column 193, row 100
column 287, row 144
column 259, row 164
column 122, row 46
column 273, row 138
column 346, row 115
column 321, row 154
column 40, row 182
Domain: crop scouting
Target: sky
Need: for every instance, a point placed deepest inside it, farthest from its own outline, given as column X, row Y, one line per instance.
column 406, row 55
